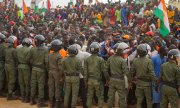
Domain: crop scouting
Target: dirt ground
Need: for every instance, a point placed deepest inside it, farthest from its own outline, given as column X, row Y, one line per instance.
column 18, row 104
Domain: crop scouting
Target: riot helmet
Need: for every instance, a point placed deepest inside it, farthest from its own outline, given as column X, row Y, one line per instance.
column 56, row 45
column 142, row 50
column 10, row 42
column 173, row 54
column 94, row 48
column 2, row 38
column 72, row 50
column 26, row 42
column 39, row 40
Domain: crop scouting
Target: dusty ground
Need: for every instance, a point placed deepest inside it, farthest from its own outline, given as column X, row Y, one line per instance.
column 18, row 104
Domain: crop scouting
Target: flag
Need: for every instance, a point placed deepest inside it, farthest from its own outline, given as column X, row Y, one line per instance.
column 161, row 13
column 97, row 1
column 25, row 9
column 48, row 4
column 36, row 6
column 20, row 14
column 43, row 9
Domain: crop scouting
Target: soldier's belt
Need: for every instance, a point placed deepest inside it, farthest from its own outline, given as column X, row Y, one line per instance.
column 72, row 74
column 144, row 79
column 23, row 63
column 38, row 66
column 117, row 77
column 170, row 84
column 91, row 77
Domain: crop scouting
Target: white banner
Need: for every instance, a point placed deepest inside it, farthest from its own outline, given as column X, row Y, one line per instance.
column 1, row 0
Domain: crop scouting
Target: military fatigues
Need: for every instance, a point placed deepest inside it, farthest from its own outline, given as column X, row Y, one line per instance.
column 10, row 68
column 39, row 61
column 55, row 75
column 23, row 71
column 142, row 70
column 2, row 62
column 93, row 68
column 170, row 74
column 118, row 69
column 71, row 67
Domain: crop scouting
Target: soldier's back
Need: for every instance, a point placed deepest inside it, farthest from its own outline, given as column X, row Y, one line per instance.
column 53, row 60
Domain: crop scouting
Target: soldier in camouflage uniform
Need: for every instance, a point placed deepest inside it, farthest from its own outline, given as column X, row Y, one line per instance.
column 170, row 77
column 38, row 57
column 118, row 69
column 93, row 68
column 72, row 67
column 24, row 69
column 55, row 80
column 2, row 62
column 143, row 73
column 10, row 67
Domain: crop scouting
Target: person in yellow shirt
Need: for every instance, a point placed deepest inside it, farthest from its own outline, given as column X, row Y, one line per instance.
column 170, row 13
column 99, row 18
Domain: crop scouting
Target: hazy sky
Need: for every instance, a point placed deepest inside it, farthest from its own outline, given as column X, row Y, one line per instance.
column 54, row 3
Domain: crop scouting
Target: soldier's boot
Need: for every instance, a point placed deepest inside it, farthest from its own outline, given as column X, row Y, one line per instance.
column 51, row 105
column 2, row 93
column 41, row 103
column 11, row 97
column 22, row 98
column 33, row 102
column 58, row 104
column 27, row 100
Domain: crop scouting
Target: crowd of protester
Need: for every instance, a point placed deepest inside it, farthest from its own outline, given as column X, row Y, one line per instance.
column 106, row 24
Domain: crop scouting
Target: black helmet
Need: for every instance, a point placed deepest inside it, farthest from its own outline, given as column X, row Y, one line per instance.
column 94, row 48
column 72, row 50
column 56, row 45
column 173, row 54
column 10, row 42
column 27, row 42
column 142, row 50
column 2, row 37
column 39, row 40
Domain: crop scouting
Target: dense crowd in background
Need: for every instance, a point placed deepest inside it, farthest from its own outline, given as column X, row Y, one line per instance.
column 106, row 24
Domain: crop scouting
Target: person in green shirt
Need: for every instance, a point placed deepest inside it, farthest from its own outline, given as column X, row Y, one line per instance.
column 118, row 15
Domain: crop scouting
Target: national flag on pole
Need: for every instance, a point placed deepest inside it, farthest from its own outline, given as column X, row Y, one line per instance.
column 36, row 6
column 161, row 13
column 25, row 9
column 97, row 1
column 43, row 9
column 48, row 4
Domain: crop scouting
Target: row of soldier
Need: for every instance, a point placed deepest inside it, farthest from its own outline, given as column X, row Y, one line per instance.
column 65, row 74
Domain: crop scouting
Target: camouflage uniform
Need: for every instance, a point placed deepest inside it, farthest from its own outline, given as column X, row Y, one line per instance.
column 170, row 74
column 2, row 64
column 93, row 68
column 118, row 69
column 142, row 70
column 55, row 75
column 71, row 67
column 24, row 71
column 38, row 57
column 10, row 68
